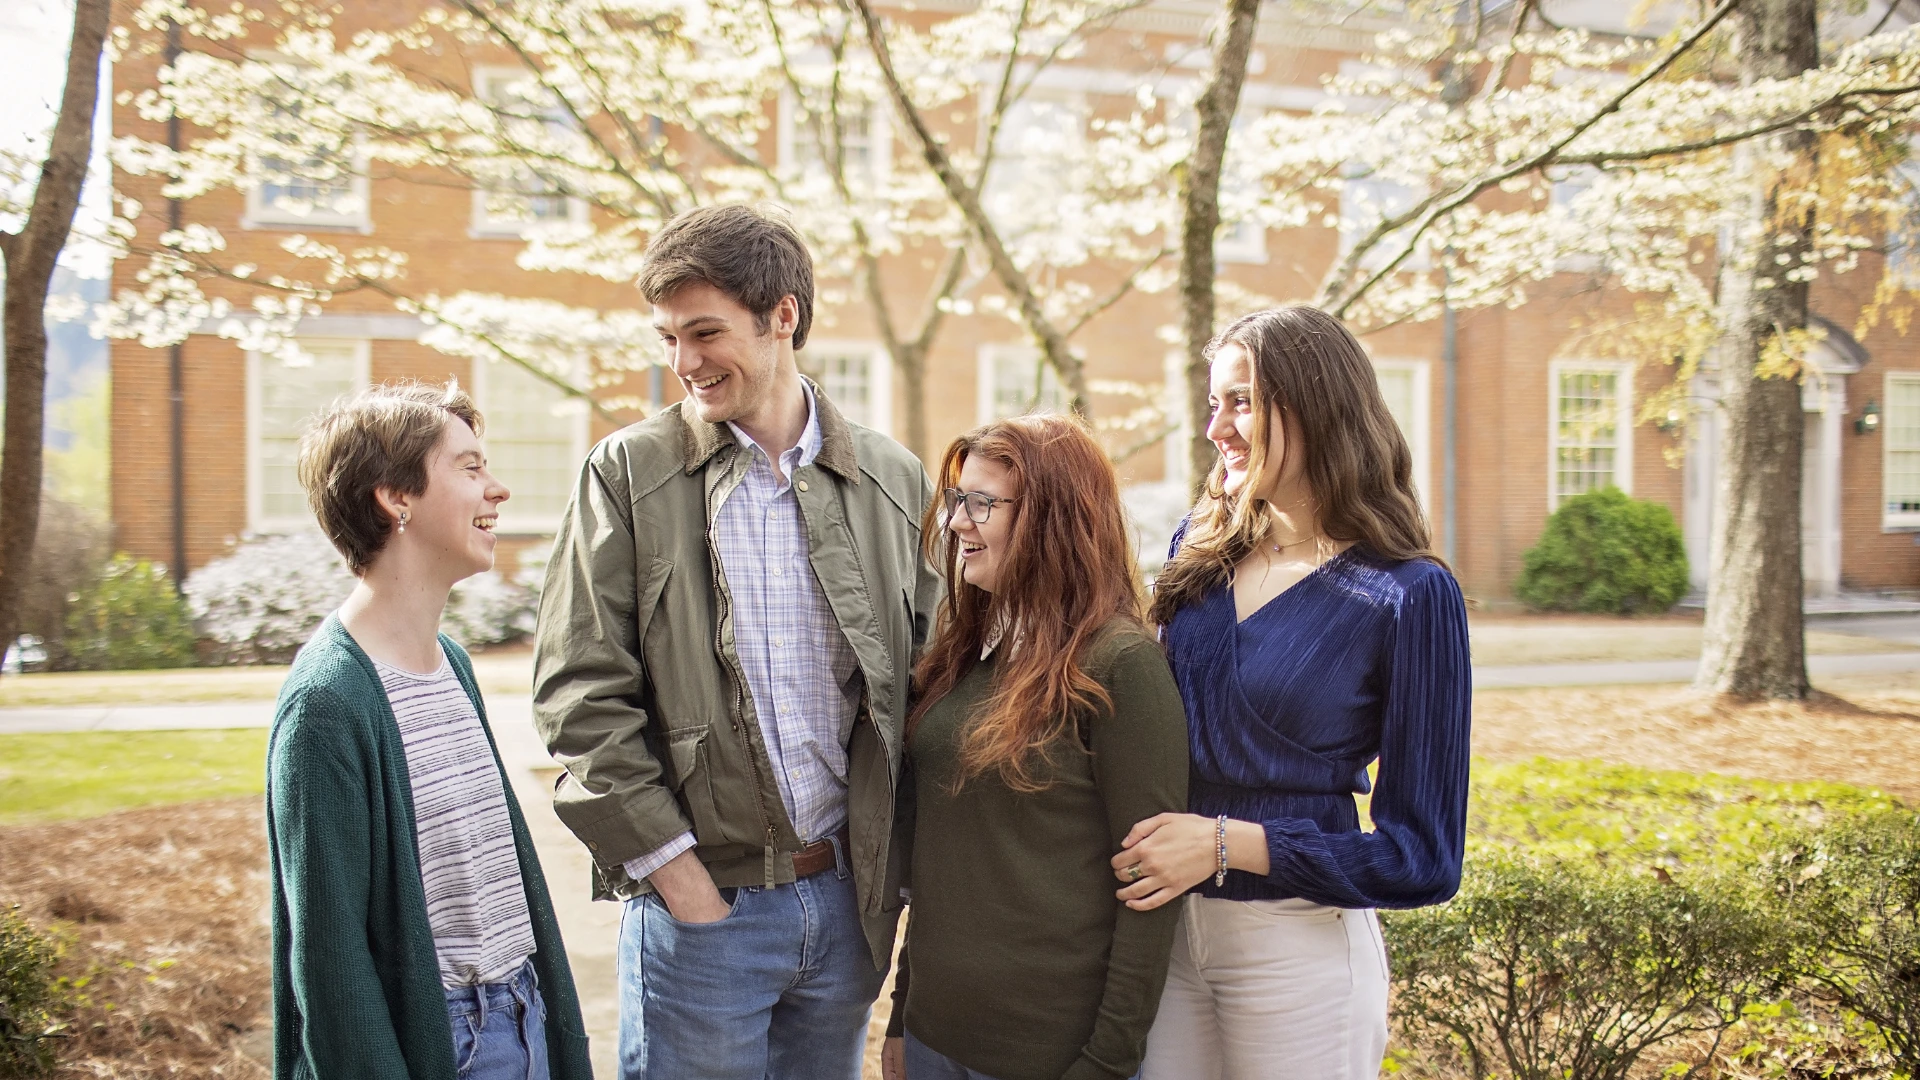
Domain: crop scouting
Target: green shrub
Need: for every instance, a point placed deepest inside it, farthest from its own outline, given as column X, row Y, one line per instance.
column 1606, row 553
column 131, row 618
column 1854, row 890
column 30, row 995
column 1560, row 969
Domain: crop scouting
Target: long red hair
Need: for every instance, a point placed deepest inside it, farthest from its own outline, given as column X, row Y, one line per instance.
column 1067, row 572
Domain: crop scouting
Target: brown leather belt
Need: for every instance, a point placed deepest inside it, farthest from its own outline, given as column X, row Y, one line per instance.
column 817, row 856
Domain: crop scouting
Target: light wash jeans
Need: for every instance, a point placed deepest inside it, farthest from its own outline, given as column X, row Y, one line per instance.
column 1265, row 988
column 500, row 1029
column 780, row 989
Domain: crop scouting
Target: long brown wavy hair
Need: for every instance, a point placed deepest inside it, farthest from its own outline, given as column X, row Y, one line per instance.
column 1068, row 570
column 1357, row 463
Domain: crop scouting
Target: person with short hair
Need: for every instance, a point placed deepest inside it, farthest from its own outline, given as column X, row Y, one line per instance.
column 1313, row 633
column 1046, row 724
column 730, row 615
column 413, row 937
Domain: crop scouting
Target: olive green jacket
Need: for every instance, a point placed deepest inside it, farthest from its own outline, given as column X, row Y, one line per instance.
column 638, row 689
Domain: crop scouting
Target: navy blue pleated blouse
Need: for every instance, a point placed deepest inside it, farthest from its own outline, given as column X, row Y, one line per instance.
column 1363, row 658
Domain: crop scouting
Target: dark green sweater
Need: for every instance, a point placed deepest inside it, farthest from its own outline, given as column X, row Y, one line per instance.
column 1023, row 964
column 356, row 985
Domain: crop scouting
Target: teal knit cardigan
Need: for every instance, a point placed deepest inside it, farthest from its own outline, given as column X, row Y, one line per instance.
column 356, row 981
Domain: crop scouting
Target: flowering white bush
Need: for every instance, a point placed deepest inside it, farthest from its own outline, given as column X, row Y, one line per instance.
column 1153, row 512
column 487, row 609
column 261, row 603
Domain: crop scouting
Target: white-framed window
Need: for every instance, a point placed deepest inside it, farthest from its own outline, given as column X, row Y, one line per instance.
column 866, row 138
column 522, row 197
column 857, row 377
column 282, row 399
column 320, row 179
column 1900, row 470
column 1040, row 137
column 536, row 438
column 1246, row 240
column 1366, row 199
column 1903, row 236
column 1405, row 384
column 1590, row 428
column 1013, row 380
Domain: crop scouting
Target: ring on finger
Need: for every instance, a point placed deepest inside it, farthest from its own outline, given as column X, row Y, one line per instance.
column 1134, row 873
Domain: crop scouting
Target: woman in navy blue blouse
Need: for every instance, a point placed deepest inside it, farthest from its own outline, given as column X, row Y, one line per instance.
column 1311, row 631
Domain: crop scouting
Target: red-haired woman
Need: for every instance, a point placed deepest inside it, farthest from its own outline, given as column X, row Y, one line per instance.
column 1311, row 631
column 1047, row 725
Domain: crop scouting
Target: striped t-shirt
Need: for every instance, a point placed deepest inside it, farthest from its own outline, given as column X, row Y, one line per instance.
column 476, row 902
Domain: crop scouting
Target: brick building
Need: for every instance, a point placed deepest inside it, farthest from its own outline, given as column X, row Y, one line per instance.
column 1531, row 420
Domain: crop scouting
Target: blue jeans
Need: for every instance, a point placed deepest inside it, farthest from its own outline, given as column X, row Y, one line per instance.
column 500, row 1029
column 926, row 1063
column 780, row 989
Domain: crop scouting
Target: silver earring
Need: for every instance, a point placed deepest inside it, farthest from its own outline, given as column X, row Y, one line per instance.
column 403, row 521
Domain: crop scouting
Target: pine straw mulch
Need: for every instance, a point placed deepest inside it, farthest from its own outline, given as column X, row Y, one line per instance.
column 164, row 911
column 1869, row 738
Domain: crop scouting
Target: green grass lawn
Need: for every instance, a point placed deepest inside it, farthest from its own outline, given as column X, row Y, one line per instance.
column 76, row 775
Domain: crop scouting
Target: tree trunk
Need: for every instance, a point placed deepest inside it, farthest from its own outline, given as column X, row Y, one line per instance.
column 1755, row 639
column 30, row 256
column 911, row 363
column 1200, row 219
column 1052, row 343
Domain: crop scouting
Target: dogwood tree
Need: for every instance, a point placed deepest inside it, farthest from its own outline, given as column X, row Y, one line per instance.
column 1714, row 173
column 636, row 110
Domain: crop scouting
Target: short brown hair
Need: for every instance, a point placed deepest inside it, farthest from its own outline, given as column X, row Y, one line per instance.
column 751, row 253
column 379, row 438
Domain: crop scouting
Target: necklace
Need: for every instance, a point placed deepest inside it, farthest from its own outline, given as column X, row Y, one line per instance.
column 1280, row 549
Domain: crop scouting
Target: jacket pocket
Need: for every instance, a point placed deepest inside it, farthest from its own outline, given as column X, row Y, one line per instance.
column 693, row 779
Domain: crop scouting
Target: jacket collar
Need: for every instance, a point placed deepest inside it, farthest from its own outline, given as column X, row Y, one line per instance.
column 702, row 440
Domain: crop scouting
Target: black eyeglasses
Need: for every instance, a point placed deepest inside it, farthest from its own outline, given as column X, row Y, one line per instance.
column 979, row 504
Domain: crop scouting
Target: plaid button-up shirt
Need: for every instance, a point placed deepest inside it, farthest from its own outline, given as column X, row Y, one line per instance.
column 804, row 677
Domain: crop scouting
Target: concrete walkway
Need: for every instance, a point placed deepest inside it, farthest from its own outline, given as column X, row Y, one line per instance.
column 512, row 716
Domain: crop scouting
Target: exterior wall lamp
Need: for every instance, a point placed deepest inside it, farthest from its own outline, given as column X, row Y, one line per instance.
column 1869, row 421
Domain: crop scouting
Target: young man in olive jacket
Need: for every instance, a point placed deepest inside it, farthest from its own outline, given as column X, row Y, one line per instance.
column 730, row 616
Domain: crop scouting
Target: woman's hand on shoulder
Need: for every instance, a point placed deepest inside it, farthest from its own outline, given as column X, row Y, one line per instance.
column 893, row 1058
column 1163, row 857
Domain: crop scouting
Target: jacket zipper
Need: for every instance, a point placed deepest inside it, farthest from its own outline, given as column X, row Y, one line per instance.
column 739, row 702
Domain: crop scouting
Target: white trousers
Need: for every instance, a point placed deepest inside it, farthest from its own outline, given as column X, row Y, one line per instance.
column 1271, row 990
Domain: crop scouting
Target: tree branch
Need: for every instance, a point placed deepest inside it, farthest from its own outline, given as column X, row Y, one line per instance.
column 966, row 198
column 1430, row 209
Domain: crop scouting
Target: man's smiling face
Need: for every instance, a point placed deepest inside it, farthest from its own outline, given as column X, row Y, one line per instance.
column 715, row 346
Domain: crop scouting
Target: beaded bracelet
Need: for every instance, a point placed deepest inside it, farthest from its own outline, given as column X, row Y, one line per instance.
column 1220, row 851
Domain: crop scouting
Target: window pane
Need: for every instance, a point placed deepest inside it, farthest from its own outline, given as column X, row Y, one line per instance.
column 530, row 116
column 1396, row 385
column 289, row 397
column 1035, row 151
column 1586, row 437
column 1022, row 384
column 1902, row 427
column 530, row 442
column 298, row 185
column 856, row 139
column 846, row 379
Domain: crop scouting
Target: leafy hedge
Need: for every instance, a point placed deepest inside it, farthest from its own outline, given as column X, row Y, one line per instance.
column 30, row 997
column 1556, row 968
column 1606, row 553
column 1614, row 919
column 131, row 617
